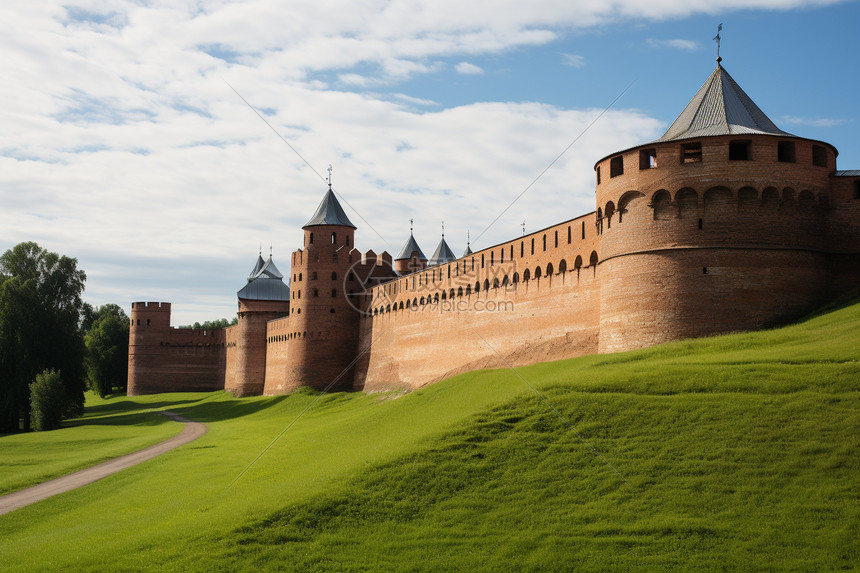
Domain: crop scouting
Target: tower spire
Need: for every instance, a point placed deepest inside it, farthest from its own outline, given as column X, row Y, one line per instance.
column 717, row 40
column 329, row 175
column 443, row 229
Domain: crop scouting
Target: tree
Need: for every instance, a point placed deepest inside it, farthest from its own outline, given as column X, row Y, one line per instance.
column 40, row 317
column 47, row 401
column 107, row 350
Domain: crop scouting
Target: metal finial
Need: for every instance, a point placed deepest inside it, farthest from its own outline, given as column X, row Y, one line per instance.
column 270, row 250
column 329, row 175
column 261, row 249
column 717, row 40
column 443, row 229
column 468, row 239
column 410, row 226
column 523, row 225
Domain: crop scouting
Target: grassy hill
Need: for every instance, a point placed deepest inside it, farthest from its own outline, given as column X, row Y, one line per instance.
column 739, row 452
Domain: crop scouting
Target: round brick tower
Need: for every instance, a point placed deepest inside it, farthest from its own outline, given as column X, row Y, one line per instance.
column 715, row 227
column 322, row 344
column 150, row 323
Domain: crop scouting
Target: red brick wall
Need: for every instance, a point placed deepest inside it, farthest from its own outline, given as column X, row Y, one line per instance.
column 246, row 364
column 164, row 359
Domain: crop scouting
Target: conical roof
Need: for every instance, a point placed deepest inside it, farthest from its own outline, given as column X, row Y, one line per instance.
column 410, row 247
column 442, row 254
column 720, row 107
column 266, row 284
column 257, row 266
column 468, row 250
column 329, row 213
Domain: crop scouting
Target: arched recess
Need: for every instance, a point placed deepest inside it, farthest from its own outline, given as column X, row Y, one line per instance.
column 610, row 211
column 401, row 305
column 806, row 199
column 747, row 200
column 537, row 272
column 444, row 295
column 526, row 275
column 627, row 202
column 408, row 303
column 788, row 196
column 718, row 203
column 451, row 294
column 505, row 281
column 468, row 290
column 477, row 286
column 435, row 297
column 486, row 285
column 549, row 269
column 496, row 282
column 459, row 292
column 592, row 260
column 577, row 263
column 387, row 308
column 414, row 302
column 688, row 203
column 516, row 278
column 661, row 202
column 421, row 301
column 562, row 266
column 599, row 222
column 770, row 198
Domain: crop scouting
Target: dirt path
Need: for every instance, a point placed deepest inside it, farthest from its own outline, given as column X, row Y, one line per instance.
column 13, row 501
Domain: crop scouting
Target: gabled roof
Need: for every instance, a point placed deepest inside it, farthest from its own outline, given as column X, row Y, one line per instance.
column 266, row 283
column 443, row 254
column 407, row 250
column 720, row 107
column 329, row 213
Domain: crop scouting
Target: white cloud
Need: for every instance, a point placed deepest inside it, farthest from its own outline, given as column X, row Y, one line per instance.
column 814, row 122
column 122, row 146
column 678, row 44
column 573, row 60
column 466, row 68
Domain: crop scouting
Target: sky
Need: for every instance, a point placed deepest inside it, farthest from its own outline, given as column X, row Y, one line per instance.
column 163, row 144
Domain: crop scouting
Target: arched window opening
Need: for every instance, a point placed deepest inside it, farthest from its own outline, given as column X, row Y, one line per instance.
column 316, row 293
column 537, row 272
column 421, row 301
column 562, row 266
column 444, row 295
column 408, row 303
column 334, row 293
column 593, row 259
column 486, row 285
column 577, row 264
column 334, row 275
column 505, row 280
column 460, row 292
column 435, row 297
column 526, row 275
column 495, row 283
column 549, row 270
column 516, row 278
column 451, row 294
column 477, row 286
column 311, row 239
column 334, row 238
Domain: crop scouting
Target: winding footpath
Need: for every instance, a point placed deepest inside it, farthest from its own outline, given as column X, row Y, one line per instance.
column 15, row 500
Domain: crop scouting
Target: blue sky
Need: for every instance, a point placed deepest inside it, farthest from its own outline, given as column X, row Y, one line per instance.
column 123, row 146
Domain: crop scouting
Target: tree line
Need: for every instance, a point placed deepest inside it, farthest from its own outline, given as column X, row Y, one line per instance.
column 212, row 324
column 53, row 346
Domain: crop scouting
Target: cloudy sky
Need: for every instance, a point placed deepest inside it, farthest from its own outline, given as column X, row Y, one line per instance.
column 125, row 141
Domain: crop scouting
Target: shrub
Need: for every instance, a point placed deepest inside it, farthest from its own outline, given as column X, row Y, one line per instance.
column 47, row 400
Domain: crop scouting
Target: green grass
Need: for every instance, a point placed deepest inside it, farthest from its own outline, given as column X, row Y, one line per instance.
column 110, row 427
column 739, row 452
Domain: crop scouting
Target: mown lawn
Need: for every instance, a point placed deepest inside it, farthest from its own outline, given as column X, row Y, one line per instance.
column 739, row 452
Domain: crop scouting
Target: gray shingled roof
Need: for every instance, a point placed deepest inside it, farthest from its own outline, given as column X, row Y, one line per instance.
column 410, row 247
column 443, row 254
column 468, row 251
column 720, row 107
column 257, row 266
column 848, row 173
column 265, row 284
column 329, row 213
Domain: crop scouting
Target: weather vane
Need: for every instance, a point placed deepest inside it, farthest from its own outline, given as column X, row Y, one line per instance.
column 523, row 225
column 329, row 174
column 410, row 226
column 443, row 229
column 717, row 40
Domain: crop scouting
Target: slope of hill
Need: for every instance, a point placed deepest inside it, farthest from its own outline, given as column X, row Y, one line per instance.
column 735, row 452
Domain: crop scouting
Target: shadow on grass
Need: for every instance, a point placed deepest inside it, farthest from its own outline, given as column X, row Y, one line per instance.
column 228, row 409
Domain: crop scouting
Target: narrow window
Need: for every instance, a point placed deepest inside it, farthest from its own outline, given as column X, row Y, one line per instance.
column 533, row 245
column 740, row 150
column 544, row 241
column 556, row 239
column 819, row 156
column 482, row 260
column 568, row 234
column 347, row 240
column 334, row 293
column 598, row 175
column 316, row 293
column 583, row 229
column 300, row 277
column 647, row 158
column 691, row 152
column 785, row 152
column 314, row 276
column 700, row 224
column 334, row 275
column 492, row 258
column 334, row 238
column 312, row 239
column 148, row 322
column 522, row 248
column 616, row 166
column 857, row 188
column 704, row 270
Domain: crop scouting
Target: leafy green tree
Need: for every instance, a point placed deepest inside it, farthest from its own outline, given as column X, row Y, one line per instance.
column 107, row 350
column 47, row 402
column 40, row 320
